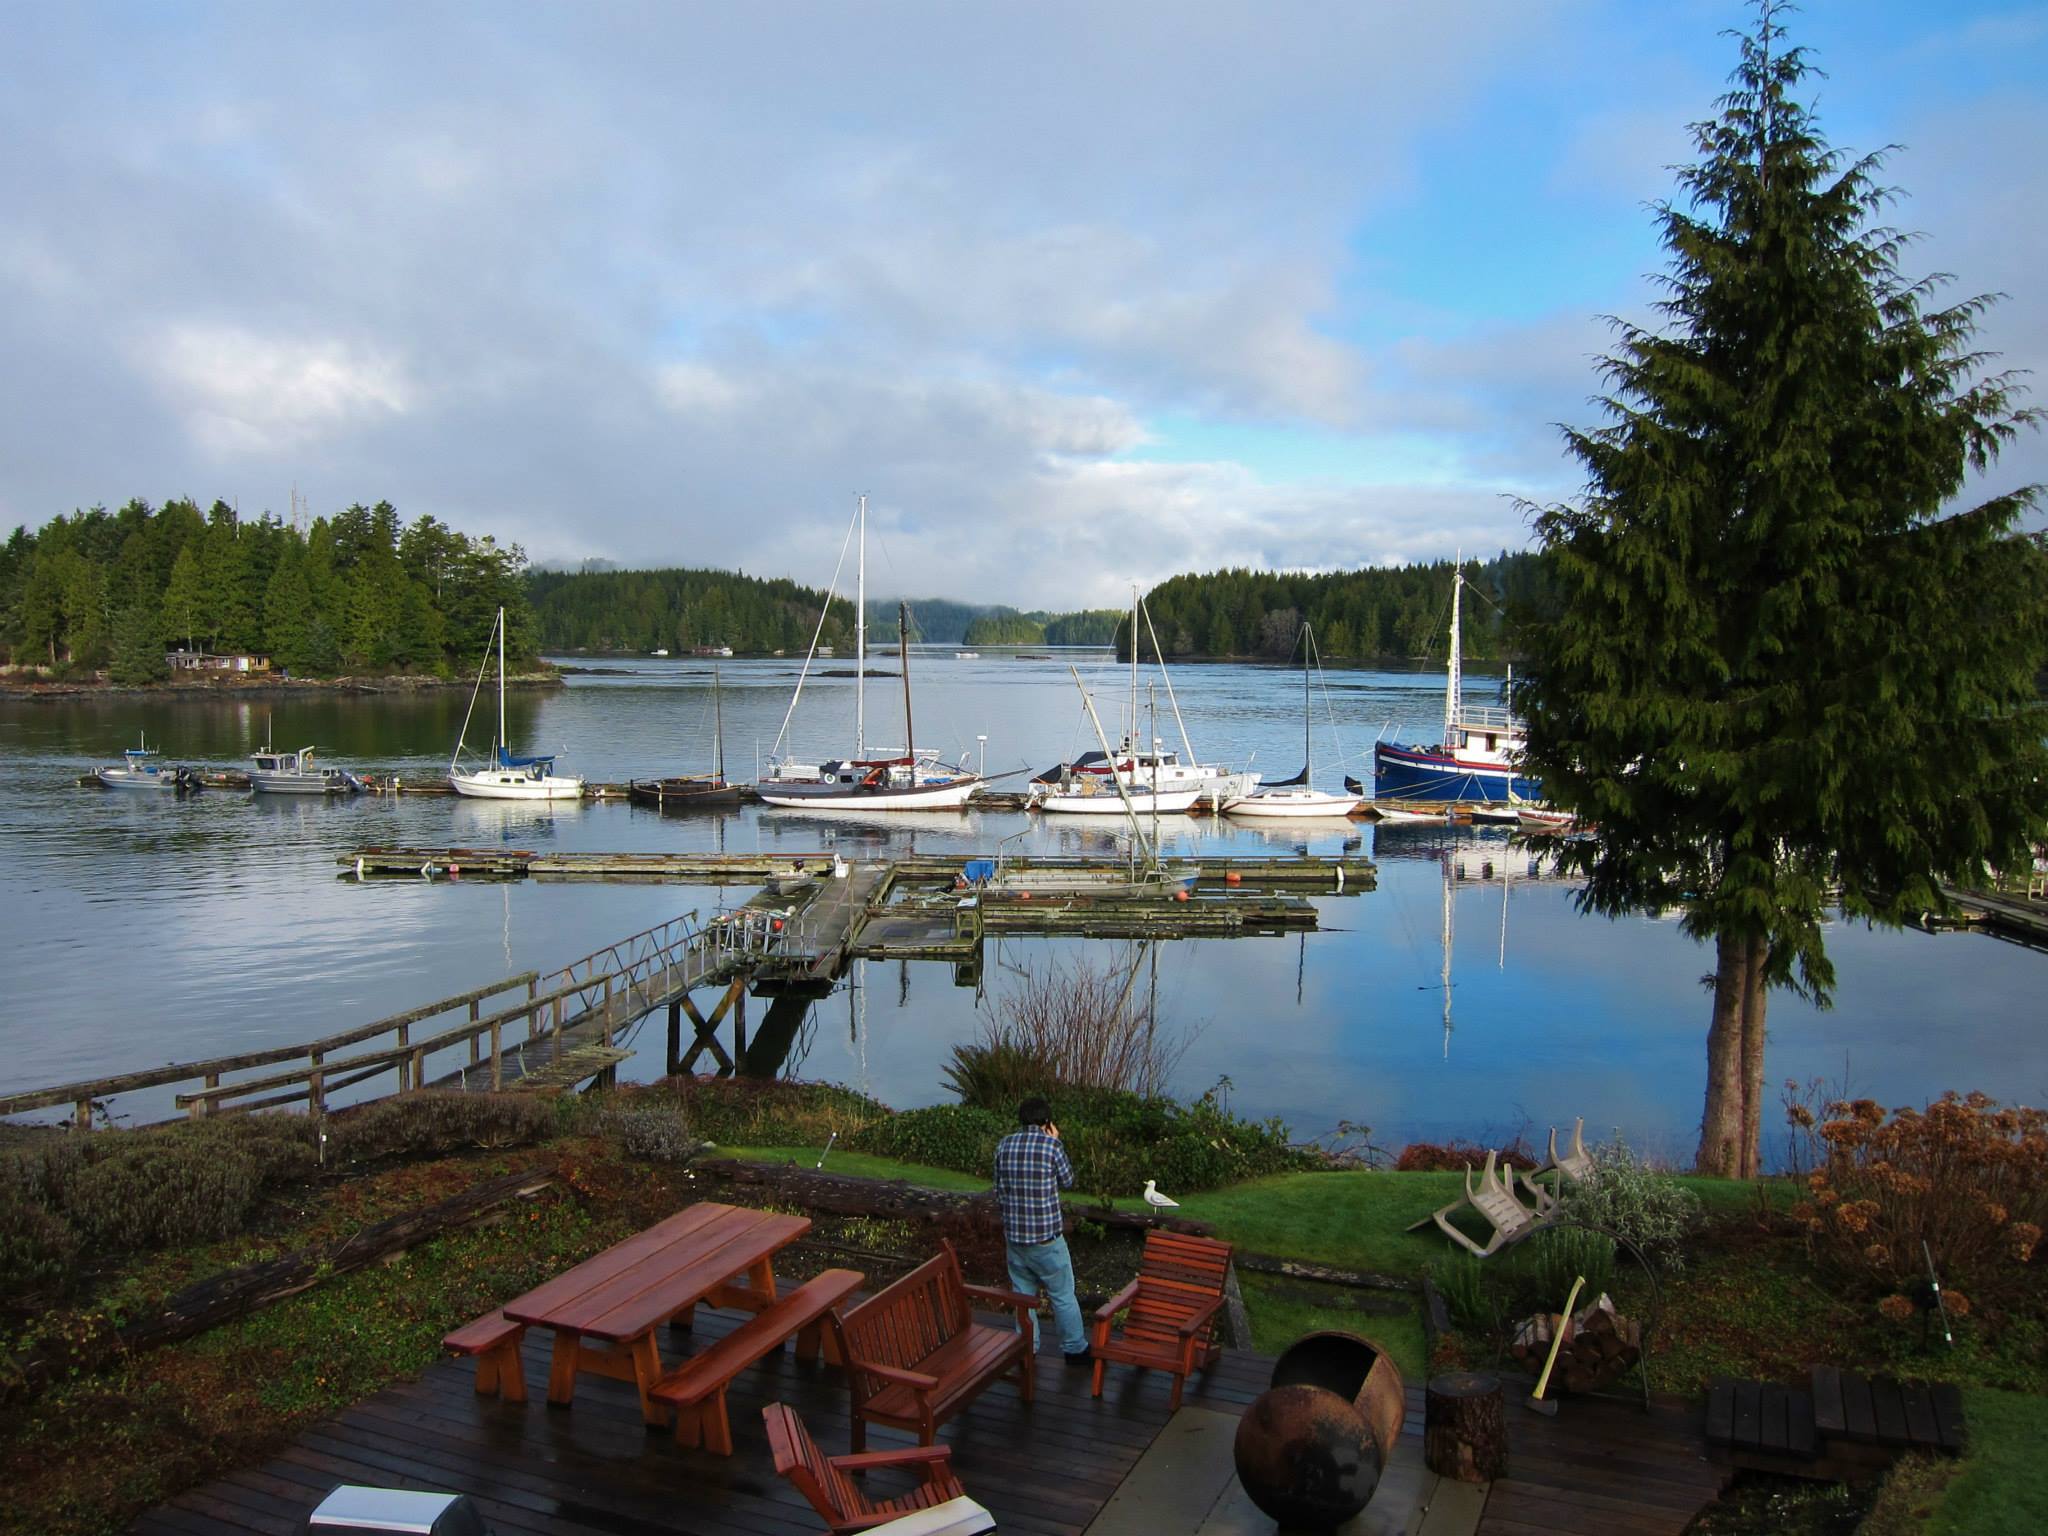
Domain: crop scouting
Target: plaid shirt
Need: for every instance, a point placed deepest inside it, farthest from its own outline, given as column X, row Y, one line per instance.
column 1031, row 1170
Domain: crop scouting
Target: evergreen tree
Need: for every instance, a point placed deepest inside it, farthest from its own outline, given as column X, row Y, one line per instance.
column 138, row 645
column 288, row 613
column 1783, row 664
column 184, row 602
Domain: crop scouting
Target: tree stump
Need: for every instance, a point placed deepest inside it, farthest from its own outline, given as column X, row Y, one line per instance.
column 1465, row 1427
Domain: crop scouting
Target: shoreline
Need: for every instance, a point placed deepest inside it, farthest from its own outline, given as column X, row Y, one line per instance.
column 51, row 690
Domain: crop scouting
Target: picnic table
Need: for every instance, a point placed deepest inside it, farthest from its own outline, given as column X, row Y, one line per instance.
column 605, row 1311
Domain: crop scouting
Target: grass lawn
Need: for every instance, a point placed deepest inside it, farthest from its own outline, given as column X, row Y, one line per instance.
column 859, row 1165
column 2002, row 1484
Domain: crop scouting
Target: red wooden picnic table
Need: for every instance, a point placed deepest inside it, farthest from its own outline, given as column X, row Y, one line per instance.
column 605, row 1311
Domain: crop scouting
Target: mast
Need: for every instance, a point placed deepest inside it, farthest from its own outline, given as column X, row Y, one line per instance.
column 718, row 728
column 504, row 747
column 1134, row 668
column 1308, row 761
column 903, row 660
column 860, row 640
column 1122, row 793
column 1454, row 682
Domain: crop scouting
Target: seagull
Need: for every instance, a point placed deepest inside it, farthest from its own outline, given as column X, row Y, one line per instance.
column 1156, row 1200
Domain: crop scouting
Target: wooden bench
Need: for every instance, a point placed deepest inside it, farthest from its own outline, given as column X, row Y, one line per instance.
column 915, row 1356
column 1840, row 1425
column 494, row 1340
column 696, row 1388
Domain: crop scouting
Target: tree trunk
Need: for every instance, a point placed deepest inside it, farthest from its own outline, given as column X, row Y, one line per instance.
column 1721, row 1125
column 1751, row 1161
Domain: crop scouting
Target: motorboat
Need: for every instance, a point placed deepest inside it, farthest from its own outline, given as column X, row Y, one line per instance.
column 1476, row 760
column 298, row 773
column 506, row 776
column 139, row 769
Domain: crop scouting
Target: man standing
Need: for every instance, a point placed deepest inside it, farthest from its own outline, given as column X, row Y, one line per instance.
column 1031, row 1170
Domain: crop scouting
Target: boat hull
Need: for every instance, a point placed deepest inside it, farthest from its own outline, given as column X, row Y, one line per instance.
column 122, row 778
column 497, row 784
column 301, row 784
column 1431, row 774
column 674, row 795
column 1105, row 801
column 1293, row 804
column 797, row 796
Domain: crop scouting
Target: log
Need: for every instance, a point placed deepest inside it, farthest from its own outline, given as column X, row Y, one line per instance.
column 841, row 1194
column 1300, row 1269
column 1465, row 1427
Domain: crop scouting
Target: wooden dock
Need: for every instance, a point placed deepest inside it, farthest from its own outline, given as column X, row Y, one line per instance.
column 2010, row 913
column 1065, row 1465
column 1347, row 875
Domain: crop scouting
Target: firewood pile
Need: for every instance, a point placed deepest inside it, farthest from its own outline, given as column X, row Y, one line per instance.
column 1599, row 1345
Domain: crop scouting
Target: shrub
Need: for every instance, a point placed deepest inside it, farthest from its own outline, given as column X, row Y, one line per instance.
column 1475, row 1307
column 653, row 1135
column 429, row 1124
column 38, row 1249
column 1065, row 1028
column 1650, row 1209
column 1547, row 1263
column 766, row 1112
column 159, row 1190
column 956, row 1136
column 1456, row 1156
column 1964, row 1176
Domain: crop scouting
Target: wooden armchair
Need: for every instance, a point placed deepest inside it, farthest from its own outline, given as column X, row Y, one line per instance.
column 1173, row 1307
column 827, row 1481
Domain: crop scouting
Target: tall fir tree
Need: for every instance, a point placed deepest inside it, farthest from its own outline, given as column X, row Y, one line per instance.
column 185, row 614
column 1787, row 670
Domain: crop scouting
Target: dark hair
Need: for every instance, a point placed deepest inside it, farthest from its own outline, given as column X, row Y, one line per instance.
column 1034, row 1111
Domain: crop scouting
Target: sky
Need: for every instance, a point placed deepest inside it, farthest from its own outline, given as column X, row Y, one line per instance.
column 1076, row 294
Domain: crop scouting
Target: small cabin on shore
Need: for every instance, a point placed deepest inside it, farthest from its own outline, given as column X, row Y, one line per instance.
column 241, row 662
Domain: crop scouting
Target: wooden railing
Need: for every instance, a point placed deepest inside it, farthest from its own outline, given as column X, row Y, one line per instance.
column 606, row 989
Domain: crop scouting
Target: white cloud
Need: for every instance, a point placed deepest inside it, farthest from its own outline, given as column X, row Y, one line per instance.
column 241, row 393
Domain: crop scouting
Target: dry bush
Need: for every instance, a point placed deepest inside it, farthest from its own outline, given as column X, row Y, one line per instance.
column 1964, row 1176
column 1066, row 1028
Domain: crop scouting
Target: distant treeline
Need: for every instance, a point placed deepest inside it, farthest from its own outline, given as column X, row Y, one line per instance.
column 355, row 593
column 599, row 608
column 1401, row 611
column 1094, row 626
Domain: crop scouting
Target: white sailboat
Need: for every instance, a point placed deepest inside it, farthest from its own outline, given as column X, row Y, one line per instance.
column 910, row 780
column 506, row 777
column 1157, row 778
column 1297, row 797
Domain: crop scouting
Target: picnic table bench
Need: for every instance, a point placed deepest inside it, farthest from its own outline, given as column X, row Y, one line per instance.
column 915, row 1356
column 696, row 1388
column 605, row 1311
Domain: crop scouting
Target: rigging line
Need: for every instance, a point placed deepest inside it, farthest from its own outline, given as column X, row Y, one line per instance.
column 816, row 635
column 1160, row 656
column 462, row 741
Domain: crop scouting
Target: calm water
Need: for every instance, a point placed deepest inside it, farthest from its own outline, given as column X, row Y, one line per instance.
column 142, row 929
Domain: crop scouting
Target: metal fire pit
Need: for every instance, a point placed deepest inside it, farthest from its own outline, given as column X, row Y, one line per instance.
column 1310, row 1451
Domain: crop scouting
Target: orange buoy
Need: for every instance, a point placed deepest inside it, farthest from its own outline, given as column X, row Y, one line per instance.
column 1233, row 878
column 1180, row 895
column 1023, row 895
column 454, row 871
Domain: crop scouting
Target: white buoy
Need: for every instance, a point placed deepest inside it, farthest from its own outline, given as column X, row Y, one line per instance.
column 1156, row 1200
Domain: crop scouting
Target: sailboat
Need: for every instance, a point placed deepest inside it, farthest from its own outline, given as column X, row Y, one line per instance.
column 506, row 777
column 1158, row 777
column 1297, row 796
column 1475, row 762
column 907, row 781
column 694, row 791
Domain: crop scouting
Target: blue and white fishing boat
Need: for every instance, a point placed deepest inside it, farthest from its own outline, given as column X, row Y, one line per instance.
column 1476, row 760
column 139, row 769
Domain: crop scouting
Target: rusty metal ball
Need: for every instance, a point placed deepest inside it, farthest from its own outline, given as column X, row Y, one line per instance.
column 1306, row 1457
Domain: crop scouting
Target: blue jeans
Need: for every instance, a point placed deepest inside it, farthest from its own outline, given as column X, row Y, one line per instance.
column 1049, row 1267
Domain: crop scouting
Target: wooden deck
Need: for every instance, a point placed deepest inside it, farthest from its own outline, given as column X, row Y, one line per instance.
column 1045, row 1470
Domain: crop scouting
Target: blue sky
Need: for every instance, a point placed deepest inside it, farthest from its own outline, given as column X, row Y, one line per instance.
column 1077, row 294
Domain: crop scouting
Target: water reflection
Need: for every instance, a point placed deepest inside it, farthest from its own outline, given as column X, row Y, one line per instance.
column 162, row 928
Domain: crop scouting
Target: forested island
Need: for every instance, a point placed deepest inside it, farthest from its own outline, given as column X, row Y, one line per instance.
column 1397, row 611
column 599, row 608
column 357, row 593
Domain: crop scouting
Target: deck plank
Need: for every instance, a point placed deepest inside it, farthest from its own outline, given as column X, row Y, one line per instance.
column 1046, row 1469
